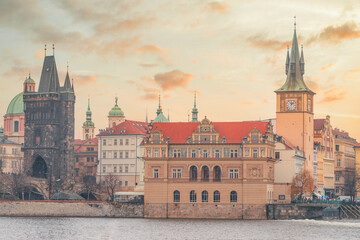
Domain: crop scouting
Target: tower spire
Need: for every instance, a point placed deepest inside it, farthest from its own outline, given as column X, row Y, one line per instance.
column 159, row 110
column 45, row 49
column 53, row 47
column 194, row 110
column 294, row 68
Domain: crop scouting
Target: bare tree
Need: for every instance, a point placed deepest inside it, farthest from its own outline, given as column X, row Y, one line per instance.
column 351, row 186
column 15, row 184
column 110, row 185
column 302, row 183
column 89, row 185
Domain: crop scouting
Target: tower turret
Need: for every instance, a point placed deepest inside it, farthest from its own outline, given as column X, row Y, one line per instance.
column 194, row 111
column 159, row 114
column 116, row 115
column 29, row 85
column 88, row 125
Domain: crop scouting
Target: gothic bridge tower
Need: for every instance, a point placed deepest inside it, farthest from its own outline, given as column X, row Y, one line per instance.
column 295, row 105
column 49, row 126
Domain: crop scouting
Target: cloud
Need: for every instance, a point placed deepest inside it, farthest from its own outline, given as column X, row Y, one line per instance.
column 217, row 7
column 337, row 34
column 261, row 41
column 334, row 94
column 324, row 68
column 86, row 80
column 173, row 79
column 151, row 49
column 147, row 65
column 123, row 25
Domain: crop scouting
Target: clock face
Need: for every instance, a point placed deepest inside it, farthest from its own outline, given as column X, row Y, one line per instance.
column 291, row 105
column 309, row 105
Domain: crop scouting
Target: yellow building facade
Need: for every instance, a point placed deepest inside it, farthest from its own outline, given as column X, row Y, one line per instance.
column 210, row 170
column 324, row 142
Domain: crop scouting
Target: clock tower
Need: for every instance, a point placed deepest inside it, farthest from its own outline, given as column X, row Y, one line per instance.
column 295, row 106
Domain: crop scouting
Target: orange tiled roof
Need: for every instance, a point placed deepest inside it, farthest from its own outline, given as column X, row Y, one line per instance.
column 233, row 131
column 127, row 128
column 318, row 124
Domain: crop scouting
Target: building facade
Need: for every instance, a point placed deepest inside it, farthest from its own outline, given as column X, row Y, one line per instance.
column 11, row 157
column 209, row 170
column 120, row 154
column 86, row 154
column 345, row 162
column 295, row 106
column 324, row 143
column 49, row 127
column 14, row 119
column 289, row 162
column 357, row 169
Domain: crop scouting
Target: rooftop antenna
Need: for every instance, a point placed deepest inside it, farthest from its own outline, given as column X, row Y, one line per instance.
column 45, row 49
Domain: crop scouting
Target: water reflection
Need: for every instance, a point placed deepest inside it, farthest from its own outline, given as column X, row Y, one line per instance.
column 115, row 228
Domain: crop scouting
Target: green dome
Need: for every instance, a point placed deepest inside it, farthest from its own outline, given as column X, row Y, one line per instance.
column 88, row 124
column 29, row 80
column 161, row 118
column 16, row 106
column 116, row 112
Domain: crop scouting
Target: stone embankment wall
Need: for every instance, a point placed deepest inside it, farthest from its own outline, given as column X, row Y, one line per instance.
column 70, row 209
column 205, row 211
column 292, row 211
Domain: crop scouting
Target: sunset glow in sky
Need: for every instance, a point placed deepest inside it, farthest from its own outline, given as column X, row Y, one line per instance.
column 231, row 52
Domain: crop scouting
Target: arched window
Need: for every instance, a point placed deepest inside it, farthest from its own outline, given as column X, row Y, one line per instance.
column 192, row 196
column 233, row 196
column 205, row 173
column 193, row 173
column 217, row 174
column 216, row 196
column 176, row 196
column 204, row 196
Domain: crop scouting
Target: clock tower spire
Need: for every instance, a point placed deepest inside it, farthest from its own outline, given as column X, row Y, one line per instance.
column 294, row 105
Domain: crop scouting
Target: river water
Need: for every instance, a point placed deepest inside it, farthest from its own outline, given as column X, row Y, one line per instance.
column 131, row 228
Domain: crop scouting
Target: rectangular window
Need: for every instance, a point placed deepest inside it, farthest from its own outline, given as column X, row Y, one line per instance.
column 236, row 173
column 115, row 169
column 126, row 169
column 115, row 154
column 148, row 153
column 179, row 173
column 104, row 169
column 127, row 154
column 88, row 159
column 163, row 153
column 126, row 141
column 338, row 162
column 156, row 153
column 16, row 126
column 121, row 142
column 104, row 154
column 156, row 173
column 121, row 154
column 104, row 142
column 176, row 153
column 337, row 177
column 174, row 173
column 76, row 172
column 255, row 153
column 246, row 152
column 13, row 164
column 262, row 153
column 193, row 153
column 3, row 163
column 235, row 153
column 77, row 159
column 337, row 147
column 120, row 169
column 132, row 141
column 126, row 183
column 120, row 183
column 231, row 174
column 277, row 155
column 217, row 153
column 337, row 190
column 115, row 142
column 205, row 153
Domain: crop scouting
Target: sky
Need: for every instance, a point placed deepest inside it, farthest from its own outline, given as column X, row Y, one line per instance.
column 232, row 53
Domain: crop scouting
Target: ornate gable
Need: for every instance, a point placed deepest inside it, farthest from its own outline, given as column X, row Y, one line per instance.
column 205, row 133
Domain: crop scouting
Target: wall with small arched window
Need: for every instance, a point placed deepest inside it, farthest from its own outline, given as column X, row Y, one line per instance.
column 233, row 196
column 192, row 196
column 176, row 196
column 204, row 196
column 216, row 196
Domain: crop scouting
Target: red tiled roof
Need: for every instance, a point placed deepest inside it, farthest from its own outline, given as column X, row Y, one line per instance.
column 318, row 124
column 233, row 131
column 127, row 128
